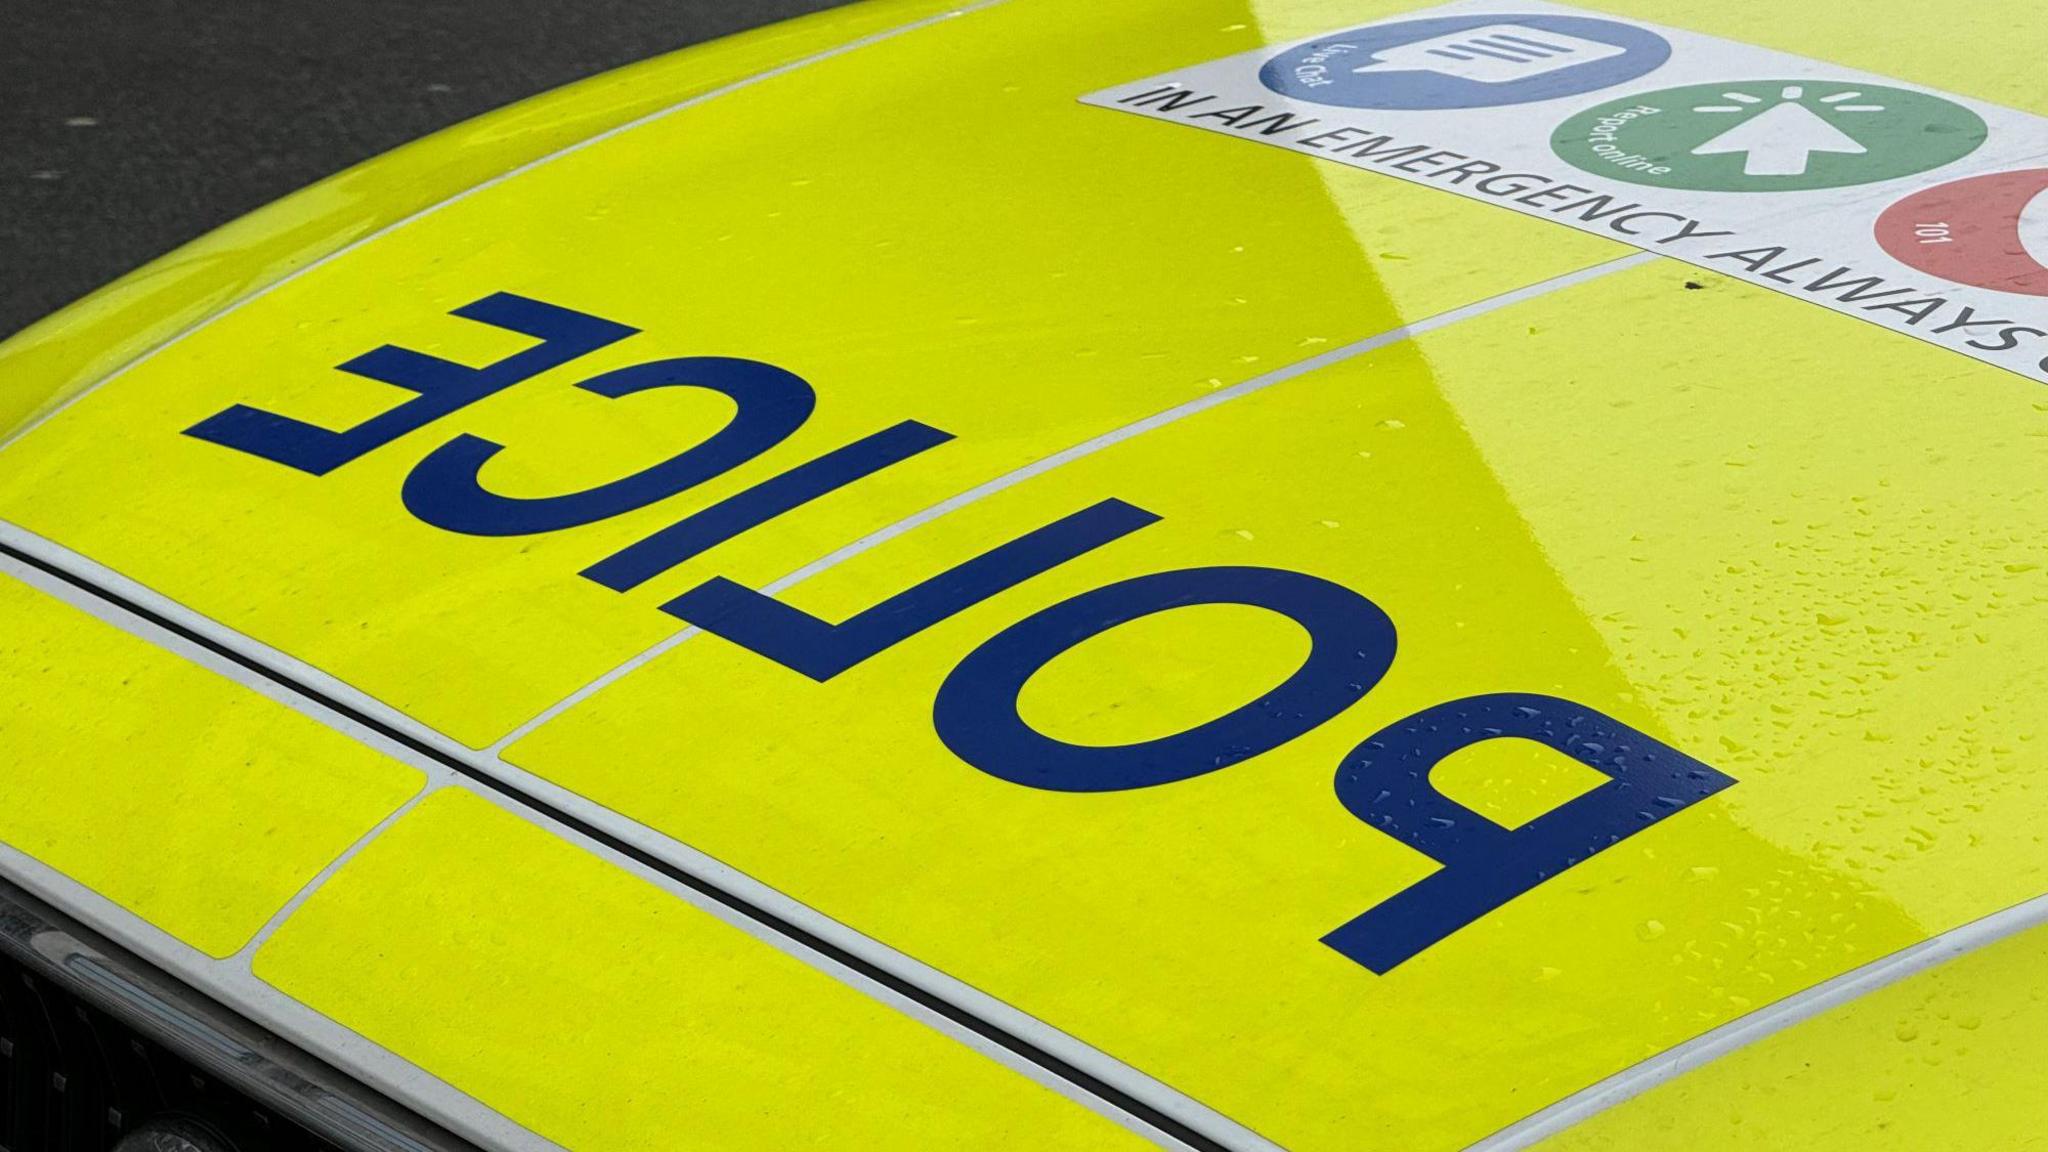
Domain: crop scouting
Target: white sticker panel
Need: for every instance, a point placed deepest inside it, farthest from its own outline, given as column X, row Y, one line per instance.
column 1919, row 210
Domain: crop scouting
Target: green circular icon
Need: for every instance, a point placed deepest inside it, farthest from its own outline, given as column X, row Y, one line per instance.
column 1768, row 135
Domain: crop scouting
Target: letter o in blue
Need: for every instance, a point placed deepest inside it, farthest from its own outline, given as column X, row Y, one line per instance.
column 1351, row 647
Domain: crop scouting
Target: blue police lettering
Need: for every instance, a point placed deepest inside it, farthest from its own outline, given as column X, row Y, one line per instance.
column 442, row 386
column 770, row 403
column 975, row 713
column 1384, row 781
column 640, row 562
column 821, row 651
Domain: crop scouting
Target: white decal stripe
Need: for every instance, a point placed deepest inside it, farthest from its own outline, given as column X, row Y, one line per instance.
column 1767, row 1021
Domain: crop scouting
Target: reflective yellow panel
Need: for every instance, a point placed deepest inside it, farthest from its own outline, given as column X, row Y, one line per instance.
column 1948, row 1058
column 949, row 246
column 1801, row 551
column 609, row 1016
column 194, row 803
column 1789, row 546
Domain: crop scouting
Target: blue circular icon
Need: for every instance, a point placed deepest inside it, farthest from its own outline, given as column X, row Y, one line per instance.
column 1465, row 62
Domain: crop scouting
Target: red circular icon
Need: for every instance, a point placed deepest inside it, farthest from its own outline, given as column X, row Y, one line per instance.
column 1975, row 231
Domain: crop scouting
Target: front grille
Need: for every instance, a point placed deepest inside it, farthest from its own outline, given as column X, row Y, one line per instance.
column 74, row 1079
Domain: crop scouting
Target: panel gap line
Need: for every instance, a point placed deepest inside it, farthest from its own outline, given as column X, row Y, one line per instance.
column 245, row 956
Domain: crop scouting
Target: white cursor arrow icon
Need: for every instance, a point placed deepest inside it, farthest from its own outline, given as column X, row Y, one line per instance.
column 1780, row 141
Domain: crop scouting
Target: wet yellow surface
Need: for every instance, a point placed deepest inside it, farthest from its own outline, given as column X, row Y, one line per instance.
column 187, row 799
column 1948, row 1058
column 1795, row 549
column 603, row 1013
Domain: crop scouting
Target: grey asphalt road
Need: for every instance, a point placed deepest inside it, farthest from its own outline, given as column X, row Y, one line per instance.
column 128, row 127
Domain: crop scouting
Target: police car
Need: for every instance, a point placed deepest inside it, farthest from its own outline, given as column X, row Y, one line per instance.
column 1233, row 574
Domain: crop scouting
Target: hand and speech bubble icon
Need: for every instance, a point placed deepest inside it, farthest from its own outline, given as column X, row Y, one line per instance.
column 1477, row 61
column 1494, row 54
